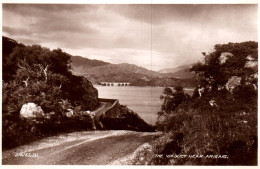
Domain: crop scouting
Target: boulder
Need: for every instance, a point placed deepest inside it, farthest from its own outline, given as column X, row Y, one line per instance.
column 31, row 110
column 233, row 82
column 69, row 113
column 224, row 57
column 213, row 103
column 251, row 63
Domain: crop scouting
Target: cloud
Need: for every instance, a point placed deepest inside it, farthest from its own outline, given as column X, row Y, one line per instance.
column 16, row 31
column 153, row 36
column 154, row 60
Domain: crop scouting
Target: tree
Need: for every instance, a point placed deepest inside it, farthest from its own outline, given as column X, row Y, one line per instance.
column 223, row 108
column 9, row 63
column 172, row 99
column 41, row 76
column 225, row 61
column 18, row 56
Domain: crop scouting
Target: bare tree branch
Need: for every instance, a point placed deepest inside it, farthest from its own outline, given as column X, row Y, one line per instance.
column 26, row 82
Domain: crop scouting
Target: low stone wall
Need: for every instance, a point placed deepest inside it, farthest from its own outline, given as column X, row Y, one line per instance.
column 113, row 111
column 107, row 100
column 118, row 117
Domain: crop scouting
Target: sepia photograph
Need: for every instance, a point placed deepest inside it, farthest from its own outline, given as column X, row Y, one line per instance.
column 130, row 84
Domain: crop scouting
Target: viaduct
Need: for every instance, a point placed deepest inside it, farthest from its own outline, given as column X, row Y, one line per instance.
column 115, row 83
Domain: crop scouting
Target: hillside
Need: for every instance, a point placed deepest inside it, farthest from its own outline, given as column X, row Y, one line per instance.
column 80, row 65
column 222, row 107
column 181, row 72
column 123, row 68
column 38, row 98
column 98, row 71
column 137, row 76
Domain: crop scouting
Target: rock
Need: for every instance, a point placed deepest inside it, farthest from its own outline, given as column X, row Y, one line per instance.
column 251, row 63
column 213, row 103
column 224, row 57
column 89, row 113
column 221, row 87
column 250, row 58
column 233, row 82
column 255, row 76
column 49, row 115
column 243, row 113
column 31, row 110
column 245, row 122
column 70, row 113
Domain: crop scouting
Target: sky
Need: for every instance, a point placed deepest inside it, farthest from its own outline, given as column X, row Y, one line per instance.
column 152, row 36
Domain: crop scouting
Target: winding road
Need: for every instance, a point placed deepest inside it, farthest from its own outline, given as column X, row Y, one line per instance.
column 80, row 148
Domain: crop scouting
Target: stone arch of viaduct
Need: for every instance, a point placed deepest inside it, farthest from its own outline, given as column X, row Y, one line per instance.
column 115, row 83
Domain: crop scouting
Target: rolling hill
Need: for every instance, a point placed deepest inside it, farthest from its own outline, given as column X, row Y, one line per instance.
column 99, row 71
column 81, row 65
column 181, row 72
column 123, row 68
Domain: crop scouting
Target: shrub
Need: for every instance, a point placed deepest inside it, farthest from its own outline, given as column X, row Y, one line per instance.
column 220, row 121
column 41, row 76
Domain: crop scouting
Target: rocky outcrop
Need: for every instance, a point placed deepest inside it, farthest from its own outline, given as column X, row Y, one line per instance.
column 251, row 63
column 224, row 57
column 119, row 117
column 31, row 110
column 233, row 82
column 69, row 113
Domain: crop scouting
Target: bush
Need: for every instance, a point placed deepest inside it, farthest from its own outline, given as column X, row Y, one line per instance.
column 219, row 120
column 41, row 76
column 208, row 131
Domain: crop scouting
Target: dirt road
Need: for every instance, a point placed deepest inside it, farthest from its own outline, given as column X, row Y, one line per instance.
column 78, row 148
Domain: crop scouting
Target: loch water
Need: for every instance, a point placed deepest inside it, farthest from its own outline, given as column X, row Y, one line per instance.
column 143, row 100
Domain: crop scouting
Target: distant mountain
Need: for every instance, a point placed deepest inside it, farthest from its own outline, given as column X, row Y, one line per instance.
column 123, row 68
column 181, row 72
column 120, row 73
column 98, row 71
column 173, row 70
column 137, row 76
column 81, row 65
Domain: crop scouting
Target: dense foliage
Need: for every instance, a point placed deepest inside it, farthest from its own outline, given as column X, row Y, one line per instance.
column 33, row 74
column 221, row 116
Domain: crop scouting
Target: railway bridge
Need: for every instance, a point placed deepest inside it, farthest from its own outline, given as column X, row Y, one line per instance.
column 115, row 83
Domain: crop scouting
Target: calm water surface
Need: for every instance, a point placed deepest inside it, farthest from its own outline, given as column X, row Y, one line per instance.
column 143, row 100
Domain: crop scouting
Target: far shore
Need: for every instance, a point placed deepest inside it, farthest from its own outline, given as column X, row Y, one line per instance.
column 188, row 89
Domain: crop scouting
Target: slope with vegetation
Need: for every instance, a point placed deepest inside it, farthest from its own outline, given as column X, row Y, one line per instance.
column 42, row 97
column 217, row 125
column 98, row 71
column 181, row 72
column 81, row 65
column 221, row 117
column 34, row 75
